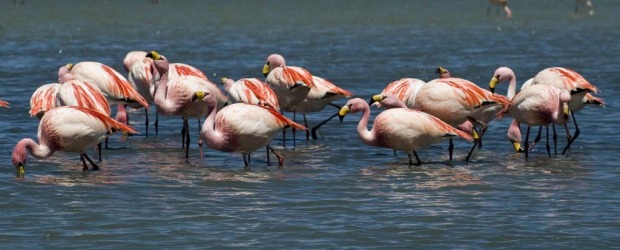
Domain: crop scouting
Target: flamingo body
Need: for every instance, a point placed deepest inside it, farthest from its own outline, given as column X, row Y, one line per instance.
column 406, row 89
column 250, row 91
column 43, row 99
column 83, row 94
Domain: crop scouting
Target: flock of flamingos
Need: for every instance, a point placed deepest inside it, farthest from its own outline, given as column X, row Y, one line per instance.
column 75, row 113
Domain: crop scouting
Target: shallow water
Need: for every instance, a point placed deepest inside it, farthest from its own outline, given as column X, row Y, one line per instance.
column 334, row 192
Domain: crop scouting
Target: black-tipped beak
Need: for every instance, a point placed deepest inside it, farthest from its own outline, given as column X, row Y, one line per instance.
column 149, row 55
column 340, row 117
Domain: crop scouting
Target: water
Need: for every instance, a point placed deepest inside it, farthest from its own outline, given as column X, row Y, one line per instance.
column 334, row 192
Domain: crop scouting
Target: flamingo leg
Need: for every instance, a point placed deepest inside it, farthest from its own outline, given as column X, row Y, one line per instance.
column 527, row 142
column 555, row 140
column 99, row 150
column 450, row 149
column 574, row 136
column 283, row 134
column 186, row 137
column 183, row 129
column 278, row 155
column 156, row 124
column 200, row 137
column 92, row 163
column 85, row 167
column 418, row 163
column 146, row 121
column 294, row 142
column 306, row 124
column 267, row 150
column 537, row 139
column 313, row 130
column 548, row 147
column 246, row 162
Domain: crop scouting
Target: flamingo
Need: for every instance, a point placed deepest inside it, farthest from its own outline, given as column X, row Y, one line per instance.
column 141, row 75
column 250, row 91
column 538, row 105
column 323, row 94
column 43, row 99
column 401, row 129
column 587, row 3
column 173, row 96
column 107, row 80
column 405, row 89
column 456, row 100
column 4, row 104
column 242, row 127
column 500, row 4
column 290, row 83
column 131, row 58
column 562, row 78
column 69, row 129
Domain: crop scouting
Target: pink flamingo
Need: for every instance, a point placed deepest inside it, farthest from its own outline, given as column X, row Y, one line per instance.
column 4, row 104
column 43, row 99
column 250, row 91
column 173, row 96
column 242, row 127
column 291, row 84
column 538, row 105
column 401, row 129
column 323, row 94
column 456, row 100
column 112, row 84
column 562, row 78
column 142, row 75
column 69, row 129
column 500, row 4
column 405, row 89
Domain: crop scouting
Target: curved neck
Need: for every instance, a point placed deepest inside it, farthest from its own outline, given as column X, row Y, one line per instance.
column 212, row 135
column 38, row 151
column 164, row 104
column 366, row 135
column 512, row 88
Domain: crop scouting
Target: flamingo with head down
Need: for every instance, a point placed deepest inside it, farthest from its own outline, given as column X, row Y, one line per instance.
column 69, row 129
column 562, row 78
column 241, row 127
column 400, row 128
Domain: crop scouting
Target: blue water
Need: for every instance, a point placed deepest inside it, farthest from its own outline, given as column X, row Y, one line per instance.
column 334, row 192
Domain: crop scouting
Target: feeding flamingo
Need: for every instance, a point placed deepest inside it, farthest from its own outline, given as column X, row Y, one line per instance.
column 242, row 127
column 456, row 100
column 43, row 99
column 69, row 129
column 290, row 83
column 401, row 129
column 173, row 96
column 538, row 105
column 112, row 85
column 323, row 93
column 562, row 78
column 500, row 4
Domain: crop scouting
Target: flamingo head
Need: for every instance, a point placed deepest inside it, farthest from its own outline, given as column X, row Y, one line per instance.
column 19, row 158
column 160, row 61
column 500, row 75
column 64, row 73
column 443, row 72
column 205, row 96
column 273, row 61
column 387, row 100
column 564, row 100
column 227, row 82
column 352, row 106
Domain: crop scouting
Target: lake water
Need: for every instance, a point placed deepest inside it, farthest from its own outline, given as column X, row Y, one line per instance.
column 334, row 192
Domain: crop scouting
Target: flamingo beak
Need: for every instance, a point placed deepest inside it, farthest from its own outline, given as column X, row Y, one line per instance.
column 198, row 95
column 565, row 110
column 494, row 81
column 223, row 80
column 153, row 55
column 343, row 111
column 375, row 98
column 21, row 170
column 517, row 147
column 266, row 69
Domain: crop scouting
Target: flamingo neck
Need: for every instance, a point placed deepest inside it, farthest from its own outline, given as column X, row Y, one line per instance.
column 512, row 87
column 168, row 106
column 38, row 151
column 366, row 135
column 213, row 135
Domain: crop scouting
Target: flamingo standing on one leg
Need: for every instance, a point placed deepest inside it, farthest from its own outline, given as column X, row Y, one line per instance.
column 43, row 99
column 69, row 129
column 173, row 96
column 323, row 94
column 241, row 127
column 401, row 129
column 500, row 4
column 456, row 100
column 291, row 84
column 141, row 75
column 538, row 105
